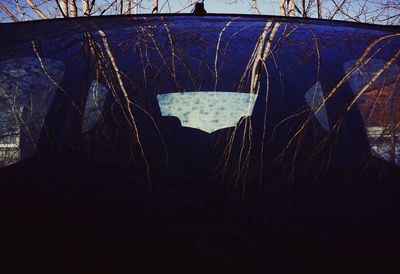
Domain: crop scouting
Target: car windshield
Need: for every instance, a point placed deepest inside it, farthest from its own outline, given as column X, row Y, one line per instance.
column 257, row 91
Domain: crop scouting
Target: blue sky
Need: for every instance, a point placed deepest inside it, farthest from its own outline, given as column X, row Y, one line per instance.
column 212, row 6
column 266, row 7
column 231, row 6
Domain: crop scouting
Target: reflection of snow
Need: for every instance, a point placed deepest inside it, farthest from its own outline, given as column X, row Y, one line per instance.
column 25, row 96
column 9, row 150
column 314, row 98
column 384, row 145
column 385, row 151
column 94, row 105
column 207, row 111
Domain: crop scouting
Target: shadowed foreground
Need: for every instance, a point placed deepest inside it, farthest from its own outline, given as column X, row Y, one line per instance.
column 80, row 219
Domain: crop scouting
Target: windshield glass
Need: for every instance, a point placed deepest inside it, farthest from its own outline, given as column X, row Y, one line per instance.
column 257, row 92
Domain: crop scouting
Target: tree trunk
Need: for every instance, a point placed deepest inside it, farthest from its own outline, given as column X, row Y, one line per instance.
column 286, row 7
column 154, row 6
column 73, row 11
column 86, row 7
column 63, row 4
column 304, row 9
column 128, row 6
column 121, row 6
column 319, row 6
column 291, row 10
column 254, row 7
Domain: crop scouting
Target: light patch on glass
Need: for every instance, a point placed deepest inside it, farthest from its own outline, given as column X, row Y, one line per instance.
column 94, row 105
column 379, row 106
column 207, row 110
column 315, row 99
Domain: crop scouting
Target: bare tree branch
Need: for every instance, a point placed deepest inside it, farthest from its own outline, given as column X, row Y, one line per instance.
column 36, row 9
column 8, row 13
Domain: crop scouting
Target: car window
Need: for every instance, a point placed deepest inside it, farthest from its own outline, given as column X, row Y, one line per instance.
column 378, row 86
column 27, row 88
column 315, row 100
column 207, row 111
column 94, row 105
